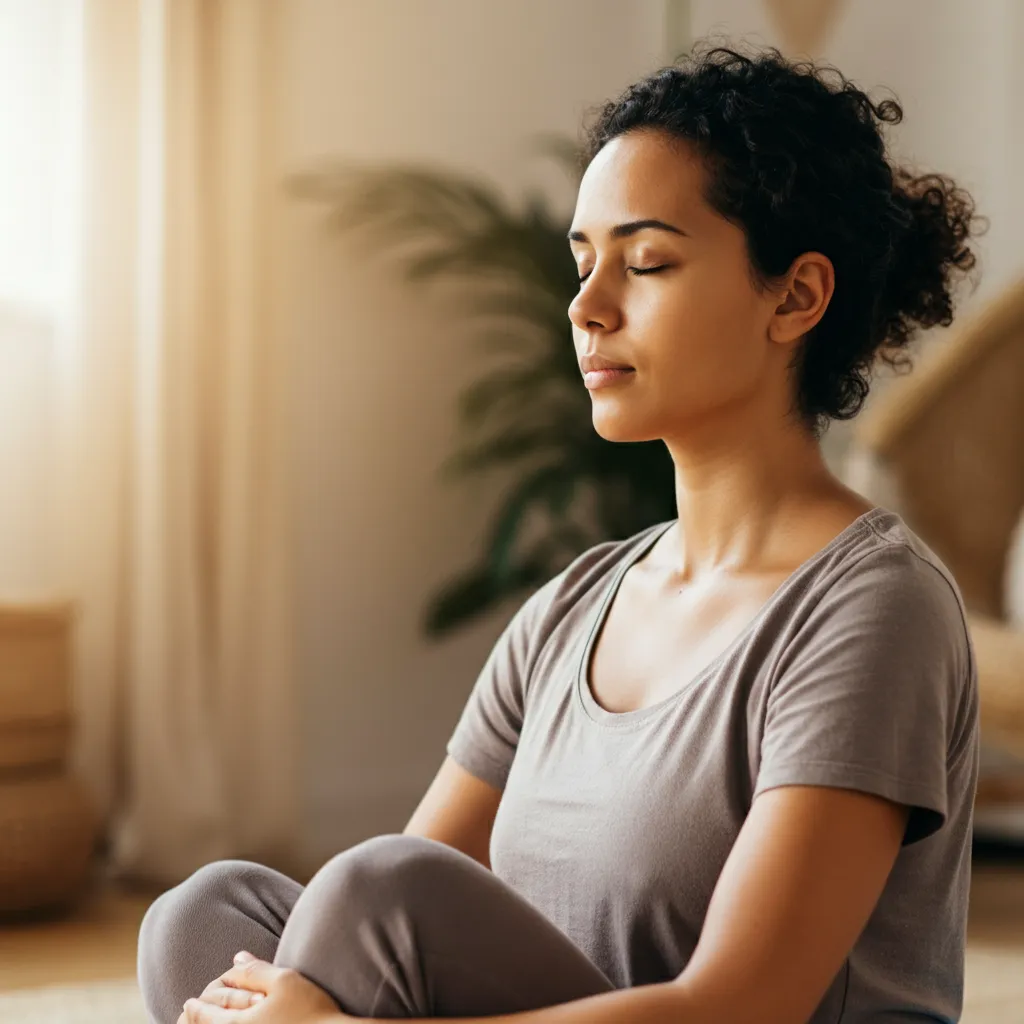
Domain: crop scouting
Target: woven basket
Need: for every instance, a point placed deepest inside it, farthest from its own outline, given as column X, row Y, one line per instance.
column 49, row 829
column 47, row 824
column 35, row 673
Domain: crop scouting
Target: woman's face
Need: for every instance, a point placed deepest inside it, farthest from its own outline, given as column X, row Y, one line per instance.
column 694, row 329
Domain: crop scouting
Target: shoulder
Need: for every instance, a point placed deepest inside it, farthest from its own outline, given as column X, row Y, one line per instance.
column 583, row 576
column 601, row 561
column 881, row 603
column 881, row 567
column 897, row 542
column 886, row 610
column 898, row 572
column 915, row 581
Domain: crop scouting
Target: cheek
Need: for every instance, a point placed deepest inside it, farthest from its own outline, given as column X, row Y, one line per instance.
column 725, row 302
column 708, row 327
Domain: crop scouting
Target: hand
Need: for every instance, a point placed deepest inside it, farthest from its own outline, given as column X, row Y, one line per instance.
column 256, row 992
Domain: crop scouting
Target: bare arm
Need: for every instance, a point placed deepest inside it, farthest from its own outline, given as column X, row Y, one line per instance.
column 458, row 809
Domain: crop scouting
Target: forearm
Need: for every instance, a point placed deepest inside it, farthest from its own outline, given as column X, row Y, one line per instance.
column 646, row 1004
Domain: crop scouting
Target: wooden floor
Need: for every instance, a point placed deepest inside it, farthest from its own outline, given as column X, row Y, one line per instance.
column 994, row 984
column 98, row 941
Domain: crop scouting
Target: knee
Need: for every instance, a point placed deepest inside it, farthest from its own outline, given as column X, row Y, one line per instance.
column 385, row 871
column 172, row 921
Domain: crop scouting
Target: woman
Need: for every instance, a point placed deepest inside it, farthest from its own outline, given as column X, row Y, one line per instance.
column 722, row 770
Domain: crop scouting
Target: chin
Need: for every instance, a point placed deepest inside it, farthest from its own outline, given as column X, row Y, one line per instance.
column 613, row 426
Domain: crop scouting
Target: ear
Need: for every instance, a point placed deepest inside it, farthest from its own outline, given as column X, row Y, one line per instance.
column 804, row 297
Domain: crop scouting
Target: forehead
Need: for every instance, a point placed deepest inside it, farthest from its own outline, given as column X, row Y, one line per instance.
column 639, row 175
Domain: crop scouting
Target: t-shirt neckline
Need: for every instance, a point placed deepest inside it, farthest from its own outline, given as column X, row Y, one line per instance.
column 626, row 719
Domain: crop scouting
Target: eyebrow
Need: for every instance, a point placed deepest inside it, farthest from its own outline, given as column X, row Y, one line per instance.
column 630, row 228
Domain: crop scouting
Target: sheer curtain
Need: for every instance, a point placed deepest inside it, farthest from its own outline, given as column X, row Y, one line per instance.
column 142, row 438
column 35, row 143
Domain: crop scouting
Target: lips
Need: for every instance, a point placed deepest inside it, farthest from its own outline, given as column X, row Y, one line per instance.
column 594, row 379
column 601, row 372
column 596, row 362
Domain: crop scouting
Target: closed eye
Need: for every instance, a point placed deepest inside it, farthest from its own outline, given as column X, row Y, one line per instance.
column 638, row 271
column 648, row 270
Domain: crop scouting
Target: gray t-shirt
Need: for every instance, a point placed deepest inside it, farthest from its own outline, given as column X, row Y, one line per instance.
column 859, row 673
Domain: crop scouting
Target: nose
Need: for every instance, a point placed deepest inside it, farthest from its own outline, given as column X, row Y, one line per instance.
column 593, row 308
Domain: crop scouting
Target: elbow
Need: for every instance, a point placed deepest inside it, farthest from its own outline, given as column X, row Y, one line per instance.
column 694, row 1003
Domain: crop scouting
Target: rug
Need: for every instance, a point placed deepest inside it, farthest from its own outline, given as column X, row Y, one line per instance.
column 98, row 1002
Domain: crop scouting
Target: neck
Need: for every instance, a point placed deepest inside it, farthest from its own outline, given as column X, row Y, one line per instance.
column 739, row 485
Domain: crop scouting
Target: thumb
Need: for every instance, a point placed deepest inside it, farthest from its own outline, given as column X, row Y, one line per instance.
column 253, row 974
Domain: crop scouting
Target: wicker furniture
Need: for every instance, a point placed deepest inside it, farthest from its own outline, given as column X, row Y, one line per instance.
column 944, row 447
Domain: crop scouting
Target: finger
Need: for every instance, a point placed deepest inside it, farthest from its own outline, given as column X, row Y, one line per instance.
column 219, row 984
column 255, row 975
column 198, row 1012
column 241, row 957
column 230, row 998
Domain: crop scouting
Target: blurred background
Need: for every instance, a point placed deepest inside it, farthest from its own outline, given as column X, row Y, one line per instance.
column 290, row 423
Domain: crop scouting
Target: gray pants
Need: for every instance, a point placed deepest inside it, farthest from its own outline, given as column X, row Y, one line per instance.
column 397, row 926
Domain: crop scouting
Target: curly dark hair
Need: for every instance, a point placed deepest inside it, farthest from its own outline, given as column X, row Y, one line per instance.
column 796, row 158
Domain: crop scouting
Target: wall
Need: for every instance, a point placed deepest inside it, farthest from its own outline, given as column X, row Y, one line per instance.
column 377, row 366
column 465, row 84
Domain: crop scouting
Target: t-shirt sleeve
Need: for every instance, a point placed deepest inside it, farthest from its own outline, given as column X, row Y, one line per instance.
column 866, row 694
column 487, row 733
